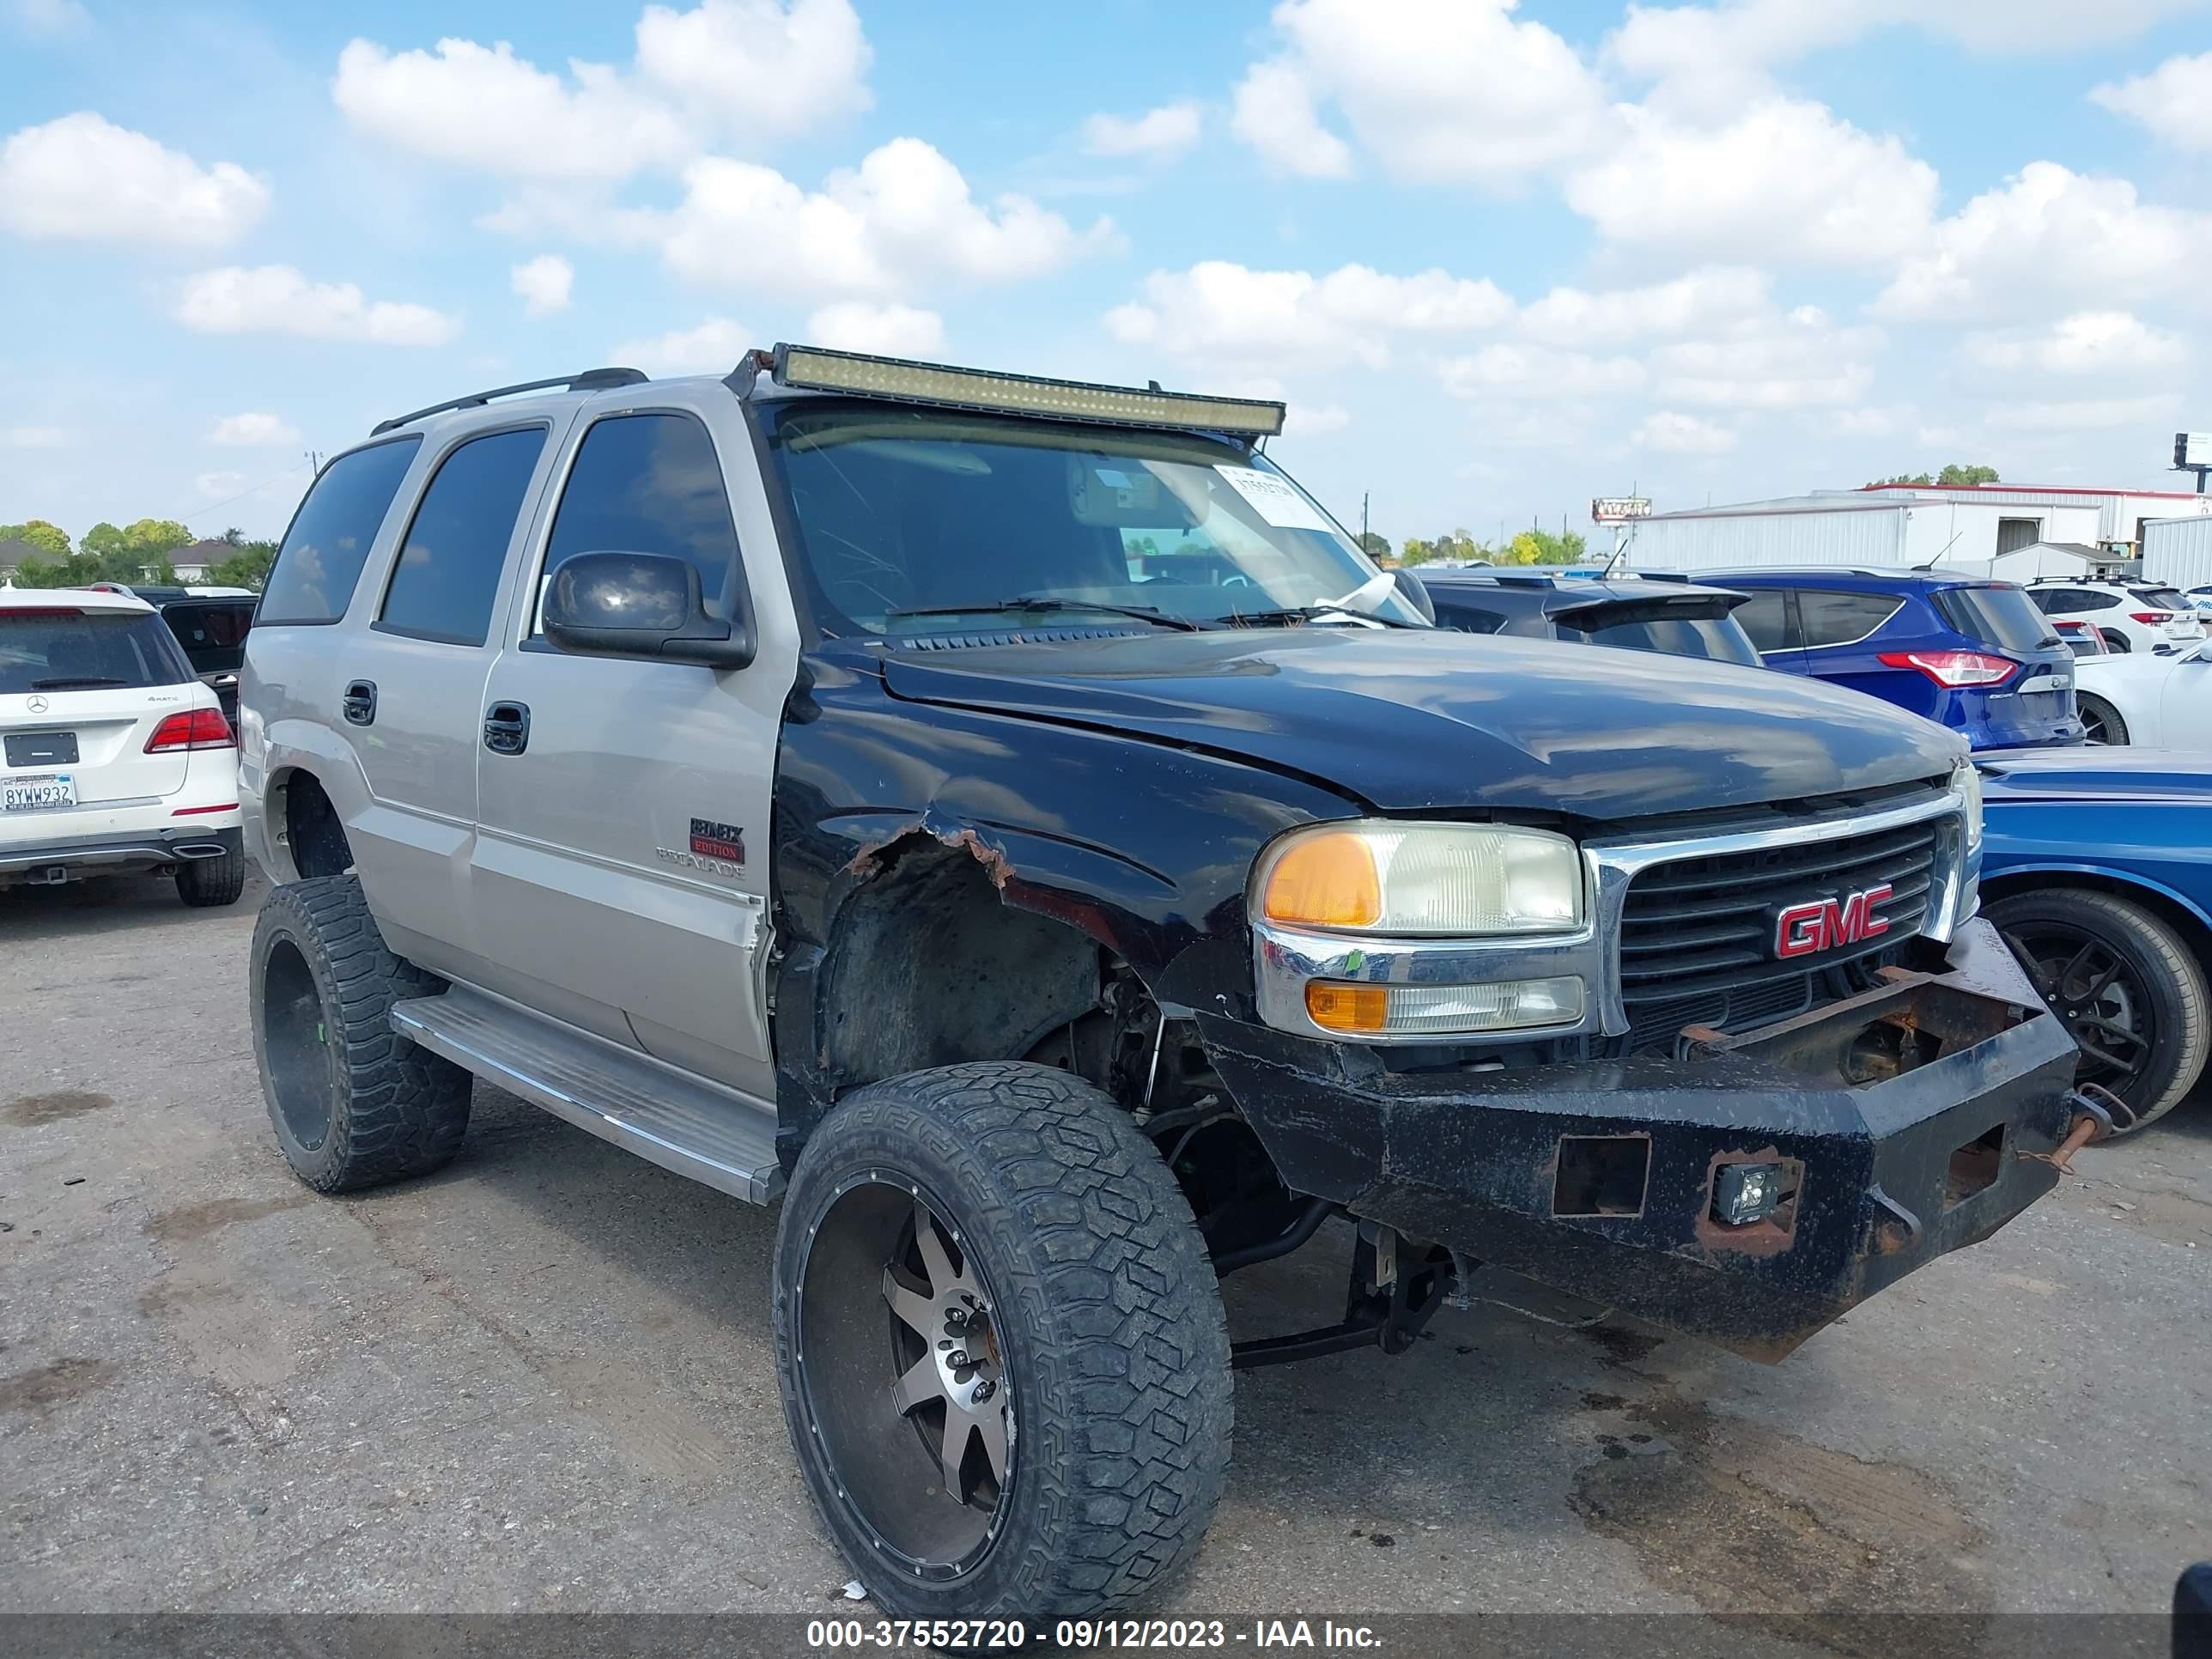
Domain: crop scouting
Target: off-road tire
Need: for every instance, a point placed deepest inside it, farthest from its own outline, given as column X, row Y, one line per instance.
column 392, row 1109
column 1116, row 1346
column 2160, row 960
column 2115, row 732
column 203, row 883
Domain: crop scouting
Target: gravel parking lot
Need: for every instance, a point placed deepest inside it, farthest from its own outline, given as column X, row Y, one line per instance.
column 543, row 1378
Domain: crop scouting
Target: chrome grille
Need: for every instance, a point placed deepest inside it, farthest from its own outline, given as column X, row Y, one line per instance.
column 1697, row 936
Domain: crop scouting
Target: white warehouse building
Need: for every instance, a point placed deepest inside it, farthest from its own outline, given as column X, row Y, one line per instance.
column 1874, row 529
column 2178, row 552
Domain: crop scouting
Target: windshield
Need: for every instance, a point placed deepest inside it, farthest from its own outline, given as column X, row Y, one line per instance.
column 2000, row 616
column 908, row 511
column 1716, row 638
column 61, row 649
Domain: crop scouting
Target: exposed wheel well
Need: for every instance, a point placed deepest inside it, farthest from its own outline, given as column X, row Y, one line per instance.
column 2184, row 921
column 929, row 966
column 314, row 837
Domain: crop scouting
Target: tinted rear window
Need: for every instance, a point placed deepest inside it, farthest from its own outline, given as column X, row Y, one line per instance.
column 1715, row 638
column 2165, row 599
column 65, row 650
column 448, row 573
column 1834, row 617
column 1764, row 618
column 212, row 631
column 1466, row 618
column 329, row 541
column 2001, row 616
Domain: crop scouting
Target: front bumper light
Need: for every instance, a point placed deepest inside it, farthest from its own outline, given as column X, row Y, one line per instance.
column 1423, row 880
column 1519, row 1005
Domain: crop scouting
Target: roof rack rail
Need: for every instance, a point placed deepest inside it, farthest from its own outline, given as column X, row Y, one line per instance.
column 592, row 379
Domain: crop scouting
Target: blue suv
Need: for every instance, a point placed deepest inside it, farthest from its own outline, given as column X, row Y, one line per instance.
column 1975, row 656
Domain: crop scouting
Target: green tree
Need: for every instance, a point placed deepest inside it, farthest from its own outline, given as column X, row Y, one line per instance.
column 1956, row 473
column 1375, row 546
column 248, row 568
column 46, row 537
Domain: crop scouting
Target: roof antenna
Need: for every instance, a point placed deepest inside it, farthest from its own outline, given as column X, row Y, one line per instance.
column 1918, row 568
column 1620, row 552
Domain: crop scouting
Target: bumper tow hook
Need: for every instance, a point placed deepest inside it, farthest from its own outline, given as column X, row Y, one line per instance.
column 2099, row 1114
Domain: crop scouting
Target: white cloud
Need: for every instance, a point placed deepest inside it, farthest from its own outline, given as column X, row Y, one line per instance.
column 1524, row 372
column 1675, row 433
column 1784, row 180
column 544, row 283
column 1219, row 312
column 714, row 346
column 892, row 331
column 278, row 300
column 1439, row 90
column 253, row 430
column 31, row 437
column 1274, row 111
column 215, row 485
column 1715, row 48
column 49, row 19
column 1708, row 297
column 738, row 70
column 1775, row 360
column 2046, row 235
column 2088, row 343
column 869, row 231
column 2174, row 101
column 82, row 177
column 1159, row 134
column 1865, row 422
column 2071, row 415
column 776, row 68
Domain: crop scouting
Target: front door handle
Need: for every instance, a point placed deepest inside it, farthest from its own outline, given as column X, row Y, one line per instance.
column 360, row 703
column 507, row 728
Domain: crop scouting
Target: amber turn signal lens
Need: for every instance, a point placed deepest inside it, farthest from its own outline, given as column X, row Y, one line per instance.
column 1326, row 881
column 1347, row 1007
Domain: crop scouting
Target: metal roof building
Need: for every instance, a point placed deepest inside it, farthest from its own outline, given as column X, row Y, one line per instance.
column 1875, row 528
column 2178, row 551
column 2120, row 512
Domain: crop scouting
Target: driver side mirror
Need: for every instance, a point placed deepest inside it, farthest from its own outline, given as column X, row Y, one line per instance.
column 1412, row 589
column 639, row 605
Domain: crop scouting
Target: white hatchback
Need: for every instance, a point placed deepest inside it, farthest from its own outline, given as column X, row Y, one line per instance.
column 114, row 758
column 2131, row 617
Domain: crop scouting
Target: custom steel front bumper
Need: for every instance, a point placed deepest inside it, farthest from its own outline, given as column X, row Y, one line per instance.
column 1913, row 1120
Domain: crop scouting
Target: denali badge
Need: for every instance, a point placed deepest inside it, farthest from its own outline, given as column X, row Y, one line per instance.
column 1824, row 924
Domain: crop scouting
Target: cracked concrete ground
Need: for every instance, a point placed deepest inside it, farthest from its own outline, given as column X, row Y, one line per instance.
column 542, row 1379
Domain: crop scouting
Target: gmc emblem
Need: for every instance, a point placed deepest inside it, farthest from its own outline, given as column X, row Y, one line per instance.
column 1819, row 925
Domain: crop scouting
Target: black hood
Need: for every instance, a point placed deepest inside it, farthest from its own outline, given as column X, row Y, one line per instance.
column 1409, row 720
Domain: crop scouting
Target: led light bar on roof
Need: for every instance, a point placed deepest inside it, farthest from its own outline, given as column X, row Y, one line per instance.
column 816, row 370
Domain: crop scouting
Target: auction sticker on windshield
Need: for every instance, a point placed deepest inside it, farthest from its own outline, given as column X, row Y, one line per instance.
column 37, row 792
column 1276, row 500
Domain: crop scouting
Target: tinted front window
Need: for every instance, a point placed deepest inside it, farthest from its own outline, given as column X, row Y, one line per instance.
column 1764, row 618
column 447, row 574
column 1715, row 639
column 1999, row 616
column 65, row 649
column 212, row 631
column 1832, row 618
column 906, row 511
column 331, row 535
column 650, row 484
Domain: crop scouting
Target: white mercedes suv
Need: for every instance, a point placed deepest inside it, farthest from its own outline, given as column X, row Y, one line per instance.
column 114, row 758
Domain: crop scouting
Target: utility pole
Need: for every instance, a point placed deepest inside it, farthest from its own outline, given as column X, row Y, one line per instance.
column 314, row 460
column 1362, row 521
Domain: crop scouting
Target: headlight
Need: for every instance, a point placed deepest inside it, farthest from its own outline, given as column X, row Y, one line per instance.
column 1966, row 784
column 1450, row 880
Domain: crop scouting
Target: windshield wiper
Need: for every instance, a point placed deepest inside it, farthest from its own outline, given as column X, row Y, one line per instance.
column 1300, row 613
column 63, row 682
column 1039, row 604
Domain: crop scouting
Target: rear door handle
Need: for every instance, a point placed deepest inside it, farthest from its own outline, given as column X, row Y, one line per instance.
column 507, row 728
column 360, row 703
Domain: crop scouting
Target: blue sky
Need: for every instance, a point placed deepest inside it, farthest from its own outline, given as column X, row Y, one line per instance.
column 1497, row 259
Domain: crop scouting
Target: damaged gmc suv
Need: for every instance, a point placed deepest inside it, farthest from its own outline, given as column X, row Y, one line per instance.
column 1010, row 823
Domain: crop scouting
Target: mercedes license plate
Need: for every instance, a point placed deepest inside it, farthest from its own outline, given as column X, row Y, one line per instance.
column 38, row 792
